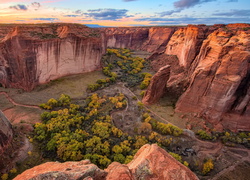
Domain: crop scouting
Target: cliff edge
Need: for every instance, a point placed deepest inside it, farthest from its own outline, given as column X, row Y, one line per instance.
column 150, row 162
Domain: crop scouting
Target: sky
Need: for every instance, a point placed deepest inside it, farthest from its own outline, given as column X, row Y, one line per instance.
column 126, row 12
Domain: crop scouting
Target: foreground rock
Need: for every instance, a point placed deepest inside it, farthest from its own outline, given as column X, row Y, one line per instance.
column 68, row 170
column 150, row 162
column 157, row 86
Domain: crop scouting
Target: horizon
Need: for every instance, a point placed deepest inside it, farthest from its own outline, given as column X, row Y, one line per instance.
column 124, row 13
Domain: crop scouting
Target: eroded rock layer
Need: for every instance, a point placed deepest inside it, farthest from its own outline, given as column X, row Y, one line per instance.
column 34, row 54
column 219, row 79
column 150, row 162
column 157, row 86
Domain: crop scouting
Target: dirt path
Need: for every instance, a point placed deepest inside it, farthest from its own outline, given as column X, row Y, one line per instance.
column 17, row 104
column 132, row 94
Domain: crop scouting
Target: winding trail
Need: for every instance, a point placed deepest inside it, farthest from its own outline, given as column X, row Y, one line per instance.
column 18, row 104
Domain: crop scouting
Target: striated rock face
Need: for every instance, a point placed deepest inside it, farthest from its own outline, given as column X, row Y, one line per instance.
column 157, row 86
column 186, row 43
column 158, row 38
column 6, row 133
column 138, row 38
column 126, row 37
column 220, row 79
column 150, row 162
column 31, row 55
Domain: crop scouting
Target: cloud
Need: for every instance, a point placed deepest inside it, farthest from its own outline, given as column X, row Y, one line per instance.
column 71, row 15
column 129, row 0
column 183, row 4
column 232, row 1
column 235, row 12
column 189, row 3
column 190, row 20
column 20, row 7
column 78, row 11
column 167, row 13
column 45, row 19
column 36, row 5
column 107, row 14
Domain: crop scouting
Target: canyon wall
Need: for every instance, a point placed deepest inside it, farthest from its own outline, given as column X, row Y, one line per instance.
column 220, row 79
column 6, row 133
column 209, row 64
column 34, row 54
column 152, row 39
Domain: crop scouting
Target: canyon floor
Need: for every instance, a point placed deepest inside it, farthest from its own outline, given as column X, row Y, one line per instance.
column 21, row 108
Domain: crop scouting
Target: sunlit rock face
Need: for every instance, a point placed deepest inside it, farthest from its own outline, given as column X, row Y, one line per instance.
column 150, row 162
column 212, row 68
column 220, row 79
column 34, row 54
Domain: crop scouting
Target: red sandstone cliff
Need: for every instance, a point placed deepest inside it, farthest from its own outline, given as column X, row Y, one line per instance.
column 220, row 79
column 152, row 39
column 150, row 162
column 34, row 54
column 157, row 86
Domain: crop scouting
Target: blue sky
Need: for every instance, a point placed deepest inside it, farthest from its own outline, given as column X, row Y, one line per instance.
column 126, row 12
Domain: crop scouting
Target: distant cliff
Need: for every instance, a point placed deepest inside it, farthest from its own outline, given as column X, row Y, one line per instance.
column 35, row 54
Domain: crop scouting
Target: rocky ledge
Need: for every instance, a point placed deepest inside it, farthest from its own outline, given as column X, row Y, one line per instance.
column 150, row 162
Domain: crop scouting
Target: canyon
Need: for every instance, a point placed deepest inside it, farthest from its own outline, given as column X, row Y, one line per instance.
column 206, row 68
column 210, row 68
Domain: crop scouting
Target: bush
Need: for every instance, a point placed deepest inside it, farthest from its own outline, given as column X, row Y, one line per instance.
column 204, row 135
column 207, row 166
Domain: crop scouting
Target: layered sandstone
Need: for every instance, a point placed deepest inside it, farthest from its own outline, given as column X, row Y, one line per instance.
column 152, row 39
column 33, row 54
column 157, row 86
column 6, row 133
column 125, row 37
column 220, row 79
column 186, row 42
column 150, row 162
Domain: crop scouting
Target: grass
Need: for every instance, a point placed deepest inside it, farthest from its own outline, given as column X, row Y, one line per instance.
column 75, row 86
column 4, row 103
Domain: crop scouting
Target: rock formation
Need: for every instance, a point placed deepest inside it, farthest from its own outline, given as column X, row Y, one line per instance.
column 157, row 86
column 186, row 43
column 139, row 38
column 209, row 64
column 212, row 70
column 6, row 133
column 219, row 79
column 34, row 54
column 150, row 162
